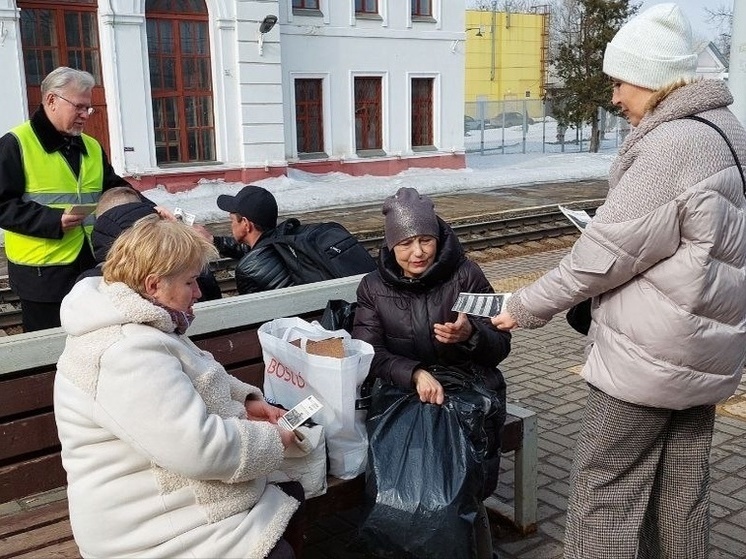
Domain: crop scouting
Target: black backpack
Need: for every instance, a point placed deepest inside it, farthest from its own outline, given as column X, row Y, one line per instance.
column 320, row 251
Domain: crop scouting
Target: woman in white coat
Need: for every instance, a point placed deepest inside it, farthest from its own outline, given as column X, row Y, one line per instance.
column 665, row 262
column 167, row 455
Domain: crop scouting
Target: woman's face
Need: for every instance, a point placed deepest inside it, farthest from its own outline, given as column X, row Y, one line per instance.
column 416, row 254
column 632, row 99
column 178, row 292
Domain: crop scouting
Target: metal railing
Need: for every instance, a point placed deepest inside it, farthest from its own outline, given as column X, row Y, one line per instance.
column 524, row 126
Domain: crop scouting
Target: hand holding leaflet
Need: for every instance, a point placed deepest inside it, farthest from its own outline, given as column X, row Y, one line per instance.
column 81, row 209
column 579, row 218
column 302, row 411
column 481, row 304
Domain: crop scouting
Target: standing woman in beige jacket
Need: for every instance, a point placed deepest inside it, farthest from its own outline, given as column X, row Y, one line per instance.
column 664, row 260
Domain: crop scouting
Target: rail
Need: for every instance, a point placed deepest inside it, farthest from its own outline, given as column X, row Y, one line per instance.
column 483, row 233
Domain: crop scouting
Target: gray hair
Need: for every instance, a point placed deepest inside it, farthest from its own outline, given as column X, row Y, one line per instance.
column 63, row 77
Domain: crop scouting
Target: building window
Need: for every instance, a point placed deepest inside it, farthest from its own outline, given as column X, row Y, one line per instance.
column 422, row 112
column 63, row 34
column 368, row 114
column 306, row 4
column 422, row 8
column 180, row 80
column 309, row 116
column 366, row 6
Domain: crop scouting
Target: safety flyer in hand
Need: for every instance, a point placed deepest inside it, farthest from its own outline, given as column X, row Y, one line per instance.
column 183, row 216
column 296, row 416
column 579, row 218
column 481, row 304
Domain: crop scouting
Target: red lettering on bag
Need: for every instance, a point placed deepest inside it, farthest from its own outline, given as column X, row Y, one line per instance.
column 284, row 373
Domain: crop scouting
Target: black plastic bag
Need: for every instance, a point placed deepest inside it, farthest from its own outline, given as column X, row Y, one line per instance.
column 425, row 477
column 338, row 314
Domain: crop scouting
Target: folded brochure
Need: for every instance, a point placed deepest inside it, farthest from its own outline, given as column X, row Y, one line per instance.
column 579, row 218
column 300, row 413
column 481, row 304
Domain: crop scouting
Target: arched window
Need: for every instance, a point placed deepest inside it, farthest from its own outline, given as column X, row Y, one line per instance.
column 63, row 33
column 180, row 80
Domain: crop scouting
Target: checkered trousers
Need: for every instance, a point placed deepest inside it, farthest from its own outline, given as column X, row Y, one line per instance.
column 640, row 482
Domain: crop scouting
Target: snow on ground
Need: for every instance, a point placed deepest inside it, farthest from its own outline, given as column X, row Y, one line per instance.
column 300, row 191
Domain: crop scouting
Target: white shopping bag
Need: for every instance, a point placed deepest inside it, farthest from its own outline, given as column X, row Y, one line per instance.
column 305, row 461
column 291, row 374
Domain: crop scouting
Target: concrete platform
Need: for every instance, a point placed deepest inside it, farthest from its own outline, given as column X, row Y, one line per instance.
column 542, row 373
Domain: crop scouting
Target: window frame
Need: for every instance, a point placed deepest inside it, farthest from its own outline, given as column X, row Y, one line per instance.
column 322, row 111
column 204, row 132
column 416, row 8
column 361, row 8
column 365, row 149
column 426, row 141
column 306, row 5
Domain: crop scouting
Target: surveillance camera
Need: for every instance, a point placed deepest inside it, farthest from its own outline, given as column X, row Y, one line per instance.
column 267, row 24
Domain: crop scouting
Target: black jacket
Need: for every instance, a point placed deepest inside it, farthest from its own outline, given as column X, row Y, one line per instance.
column 113, row 222
column 49, row 283
column 396, row 316
column 259, row 268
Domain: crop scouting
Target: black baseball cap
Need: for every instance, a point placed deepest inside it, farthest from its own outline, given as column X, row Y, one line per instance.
column 254, row 203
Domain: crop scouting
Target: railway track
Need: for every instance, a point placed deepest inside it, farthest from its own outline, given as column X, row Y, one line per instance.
column 479, row 237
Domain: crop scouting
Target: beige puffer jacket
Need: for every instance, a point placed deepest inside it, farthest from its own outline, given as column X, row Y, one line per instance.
column 664, row 259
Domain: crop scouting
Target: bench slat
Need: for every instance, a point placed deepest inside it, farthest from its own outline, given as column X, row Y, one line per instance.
column 25, row 394
column 25, row 436
column 34, row 518
column 236, row 347
column 64, row 550
column 30, row 477
column 40, row 538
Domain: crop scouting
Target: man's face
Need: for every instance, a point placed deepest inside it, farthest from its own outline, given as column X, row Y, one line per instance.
column 68, row 110
column 239, row 228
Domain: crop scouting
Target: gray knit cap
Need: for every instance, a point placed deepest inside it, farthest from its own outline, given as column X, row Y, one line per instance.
column 408, row 213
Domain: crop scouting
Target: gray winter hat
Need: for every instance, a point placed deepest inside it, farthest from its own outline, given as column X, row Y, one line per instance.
column 406, row 214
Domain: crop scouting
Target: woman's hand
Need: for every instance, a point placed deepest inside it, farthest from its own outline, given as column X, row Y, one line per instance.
column 288, row 437
column 428, row 388
column 454, row 332
column 165, row 213
column 504, row 321
column 259, row 410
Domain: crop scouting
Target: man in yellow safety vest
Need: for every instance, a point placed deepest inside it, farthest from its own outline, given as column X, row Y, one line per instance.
column 47, row 167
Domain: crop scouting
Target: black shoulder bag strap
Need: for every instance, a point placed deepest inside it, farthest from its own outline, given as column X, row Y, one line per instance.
column 727, row 141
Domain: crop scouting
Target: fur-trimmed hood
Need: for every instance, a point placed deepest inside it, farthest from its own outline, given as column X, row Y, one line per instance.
column 109, row 305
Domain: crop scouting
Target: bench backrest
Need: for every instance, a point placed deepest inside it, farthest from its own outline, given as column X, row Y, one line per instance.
column 29, row 447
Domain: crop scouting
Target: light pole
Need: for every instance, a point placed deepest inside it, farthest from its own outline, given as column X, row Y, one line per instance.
column 737, row 67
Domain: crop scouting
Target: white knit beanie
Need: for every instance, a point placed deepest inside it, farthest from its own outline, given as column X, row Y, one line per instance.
column 652, row 50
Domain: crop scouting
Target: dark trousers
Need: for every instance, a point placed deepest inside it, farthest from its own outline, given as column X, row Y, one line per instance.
column 290, row 545
column 38, row 316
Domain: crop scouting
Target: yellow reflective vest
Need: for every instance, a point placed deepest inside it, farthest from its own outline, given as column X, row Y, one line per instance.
column 51, row 182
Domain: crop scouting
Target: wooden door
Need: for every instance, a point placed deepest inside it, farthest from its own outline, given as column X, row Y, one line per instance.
column 63, row 34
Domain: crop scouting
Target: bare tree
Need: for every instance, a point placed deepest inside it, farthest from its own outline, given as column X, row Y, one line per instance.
column 722, row 18
column 514, row 6
column 578, row 62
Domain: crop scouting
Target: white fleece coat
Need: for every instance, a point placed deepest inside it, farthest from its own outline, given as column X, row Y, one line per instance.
column 664, row 259
column 160, row 458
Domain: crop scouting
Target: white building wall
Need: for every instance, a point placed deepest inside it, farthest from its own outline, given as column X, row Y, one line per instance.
column 338, row 46
column 253, row 87
column 260, row 86
column 13, row 84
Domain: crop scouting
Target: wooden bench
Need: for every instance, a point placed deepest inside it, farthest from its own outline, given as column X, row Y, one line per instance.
column 29, row 448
